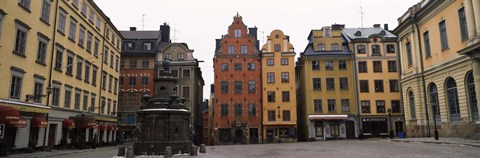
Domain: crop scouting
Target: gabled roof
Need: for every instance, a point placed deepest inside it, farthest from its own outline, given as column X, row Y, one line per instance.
column 141, row 34
column 351, row 33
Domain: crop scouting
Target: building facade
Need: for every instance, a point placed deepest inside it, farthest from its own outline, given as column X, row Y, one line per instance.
column 62, row 62
column 377, row 80
column 278, row 93
column 325, row 87
column 237, row 66
column 438, row 83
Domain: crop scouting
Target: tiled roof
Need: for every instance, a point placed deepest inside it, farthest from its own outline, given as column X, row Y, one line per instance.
column 309, row 51
column 140, row 34
column 366, row 32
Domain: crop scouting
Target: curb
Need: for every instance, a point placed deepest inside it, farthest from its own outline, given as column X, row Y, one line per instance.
column 428, row 142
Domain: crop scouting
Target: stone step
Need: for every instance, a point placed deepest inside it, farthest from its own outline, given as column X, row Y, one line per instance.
column 474, row 136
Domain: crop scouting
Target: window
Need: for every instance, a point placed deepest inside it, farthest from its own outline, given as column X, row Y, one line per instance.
column 271, row 96
column 95, row 47
column 328, row 65
column 362, row 67
column 364, row 86
column 115, row 87
column 94, row 75
column 375, row 50
column 409, row 54
column 396, row 106
column 321, row 47
column 56, row 95
column 284, row 61
column 394, row 86
column 315, row 65
column 380, row 106
column 73, row 29
column 335, row 46
column 77, row 99
column 79, row 68
column 144, row 80
column 20, row 38
column 343, row 83
column 327, row 32
column 252, row 85
column 434, row 102
column 270, row 77
column 109, row 103
column 75, row 3
column 342, row 65
column 128, row 46
column 243, row 49
column 62, row 20
column 426, row 43
column 392, row 66
column 133, row 63
column 231, row 50
column 378, row 86
column 377, row 66
column 365, row 106
column 1, row 21
column 472, row 96
column 107, row 34
column 224, row 86
column 285, row 77
column 237, row 66
column 16, row 84
column 186, row 92
column 238, row 86
column 270, row 62
column 317, row 83
column 145, row 63
column 443, row 34
column 87, row 72
column 186, row 73
column 180, row 56
column 132, row 81
column 25, row 4
column 463, row 23
column 38, row 90
column 168, row 56
column 286, row 96
column 345, row 105
column 390, row 48
column 330, row 84
column 45, row 16
column 224, row 67
column 224, row 110
column 238, row 110
column 452, row 97
column 277, row 47
column 252, row 109
column 361, row 49
column 104, row 80
column 174, row 73
column 98, row 24
column 84, row 9
column 317, row 105
column 92, row 102
column 120, row 81
column 271, row 115
column 42, row 50
column 238, row 33
column 331, row 105
column 411, row 101
column 147, row 46
column 81, row 36
column 251, row 66
column 89, row 42
column 286, row 115
column 91, row 16
column 68, row 97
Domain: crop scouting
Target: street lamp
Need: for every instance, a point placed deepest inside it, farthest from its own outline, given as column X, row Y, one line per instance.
column 49, row 91
column 390, row 122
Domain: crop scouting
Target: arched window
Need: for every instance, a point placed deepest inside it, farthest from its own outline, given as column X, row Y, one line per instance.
column 452, row 100
column 472, row 97
column 411, row 101
column 434, row 102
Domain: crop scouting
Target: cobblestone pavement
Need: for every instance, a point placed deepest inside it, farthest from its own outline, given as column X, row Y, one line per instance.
column 329, row 149
column 442, row 140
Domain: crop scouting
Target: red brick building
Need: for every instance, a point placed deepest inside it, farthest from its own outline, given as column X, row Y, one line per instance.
column 237, row 114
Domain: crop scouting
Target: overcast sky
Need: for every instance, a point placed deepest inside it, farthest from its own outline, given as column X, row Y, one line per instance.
column 199, row 22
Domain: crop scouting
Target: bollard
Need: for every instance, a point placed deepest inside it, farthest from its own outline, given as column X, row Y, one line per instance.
column 121, row 151
column 168, row 152
column 203, row 149
column 130, row 153
column 193, row 150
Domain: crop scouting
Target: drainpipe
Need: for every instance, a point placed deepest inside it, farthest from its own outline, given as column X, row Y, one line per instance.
column 356, row 94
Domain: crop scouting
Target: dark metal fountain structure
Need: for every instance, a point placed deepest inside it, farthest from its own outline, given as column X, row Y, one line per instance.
column 163, row 120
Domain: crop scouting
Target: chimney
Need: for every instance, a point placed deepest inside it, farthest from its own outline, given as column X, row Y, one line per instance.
column 385, row 27
column 253, row 31
column 133, row 29
column 376, row 25
column 165, row 30
column 217, row 44
column 338, row 26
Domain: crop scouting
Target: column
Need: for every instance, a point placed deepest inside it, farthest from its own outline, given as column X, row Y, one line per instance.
column 472, row 30
column 476, row 13
column 476, row 77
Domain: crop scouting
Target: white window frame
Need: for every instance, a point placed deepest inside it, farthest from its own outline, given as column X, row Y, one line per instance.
column 24, row 29
column 45, row 12
column 62, row 21
column 17, row 74
column 42, row 52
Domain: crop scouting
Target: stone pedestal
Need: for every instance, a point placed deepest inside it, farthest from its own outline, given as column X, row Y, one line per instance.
column 168, row 152
column 203, row 149
column 130, row 153
column 121, row 151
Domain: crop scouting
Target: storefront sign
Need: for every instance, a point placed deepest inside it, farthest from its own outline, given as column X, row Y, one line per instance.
column 28, row 109
column 373, row 119
column 2, row 131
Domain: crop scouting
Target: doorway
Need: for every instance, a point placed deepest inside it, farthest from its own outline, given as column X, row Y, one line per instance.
column 238, row 136
column 398, row 127
column 270, row 135
column 253, row 135
column 52, row 133
column 350, row 129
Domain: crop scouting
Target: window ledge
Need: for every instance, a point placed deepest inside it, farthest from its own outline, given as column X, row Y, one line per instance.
column 61, row 32
column 19, row 54
column 24, row 8
column 41, row 63
column 45, row 22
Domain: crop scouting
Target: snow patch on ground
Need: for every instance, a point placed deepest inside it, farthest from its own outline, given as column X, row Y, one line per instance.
column 155, row 156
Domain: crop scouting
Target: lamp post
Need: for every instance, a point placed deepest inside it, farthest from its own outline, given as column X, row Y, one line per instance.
column 390, row 122
column 49, row 91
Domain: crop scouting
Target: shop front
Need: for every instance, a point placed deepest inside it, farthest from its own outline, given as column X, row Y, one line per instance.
column 374, row 127
column 327, row 127
column 106, row 134
column 10, row 120
column 84, row 136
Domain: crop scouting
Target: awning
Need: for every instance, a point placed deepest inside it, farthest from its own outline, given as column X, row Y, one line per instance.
column 39, row 122
column 112, row 127
column 11, row 117
column 103, row 127
column 68, row 123
column 328, row 117
column 85, row 121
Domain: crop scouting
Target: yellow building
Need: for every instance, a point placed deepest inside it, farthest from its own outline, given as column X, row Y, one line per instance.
column 377, row 80
column 278, row 89
column 438, row 84
column 60, row 62
column 325, row 87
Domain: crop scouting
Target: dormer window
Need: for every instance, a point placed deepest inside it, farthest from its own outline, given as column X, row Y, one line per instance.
column 181, row 56
column 327, row 32
column 383, row 32
column 358, row 33
column 147, row 46
column 238, row 33
column 128, row 46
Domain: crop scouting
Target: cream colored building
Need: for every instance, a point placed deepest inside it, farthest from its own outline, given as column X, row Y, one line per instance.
column 278, row 89
column 438, row 84
column 60, row 62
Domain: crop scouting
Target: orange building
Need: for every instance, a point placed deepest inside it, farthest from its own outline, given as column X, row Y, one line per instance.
column 237, row 116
